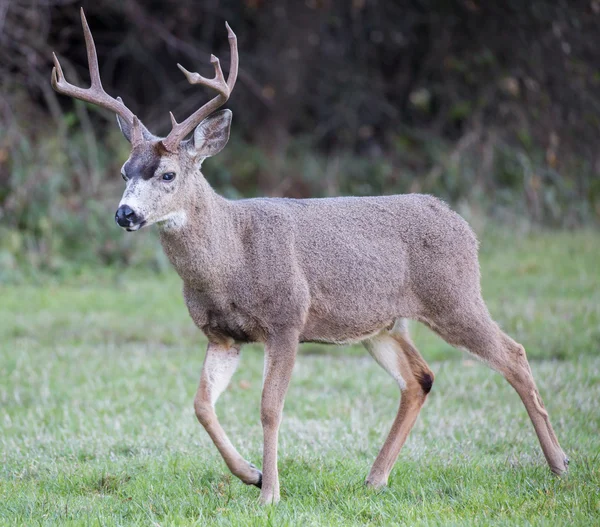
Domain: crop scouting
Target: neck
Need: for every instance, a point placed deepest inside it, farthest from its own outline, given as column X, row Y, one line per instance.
column 199, row 238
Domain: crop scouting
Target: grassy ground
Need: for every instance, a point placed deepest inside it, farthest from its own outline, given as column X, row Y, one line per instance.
column 98, row 373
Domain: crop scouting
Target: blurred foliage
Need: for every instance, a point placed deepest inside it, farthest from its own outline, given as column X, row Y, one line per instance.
column 493, row 106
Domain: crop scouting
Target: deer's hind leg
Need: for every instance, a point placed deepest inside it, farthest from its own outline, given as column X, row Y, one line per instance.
column 219, row 366
column 470, row 326
column 395, row 353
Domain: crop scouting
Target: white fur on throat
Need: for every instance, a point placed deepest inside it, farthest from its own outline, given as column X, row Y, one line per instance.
column 174, row 220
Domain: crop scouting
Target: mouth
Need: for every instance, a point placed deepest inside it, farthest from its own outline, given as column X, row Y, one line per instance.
column 136, row 227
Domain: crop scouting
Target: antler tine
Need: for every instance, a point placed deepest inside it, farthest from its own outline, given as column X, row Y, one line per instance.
column 92, row 56
column 234, row 61
column 95, row 94
column 218, row 83
column 136, row 134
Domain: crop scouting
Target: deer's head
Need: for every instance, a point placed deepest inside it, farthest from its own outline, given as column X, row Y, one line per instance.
column 158, row 172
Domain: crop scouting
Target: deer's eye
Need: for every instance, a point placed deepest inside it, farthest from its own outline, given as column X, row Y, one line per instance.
column 168, row 176
column 125, row 178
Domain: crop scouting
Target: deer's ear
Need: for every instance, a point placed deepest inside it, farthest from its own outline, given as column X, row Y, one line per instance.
column 212, row 134
column 125, row 127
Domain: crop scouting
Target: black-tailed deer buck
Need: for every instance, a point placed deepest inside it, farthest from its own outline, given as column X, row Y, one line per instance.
column 285, row 271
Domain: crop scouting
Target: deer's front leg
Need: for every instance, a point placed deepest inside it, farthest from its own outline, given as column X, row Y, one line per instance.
column 280, row 355
column 219, row 366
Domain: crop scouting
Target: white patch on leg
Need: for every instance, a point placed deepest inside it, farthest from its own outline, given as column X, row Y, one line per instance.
column 265, row 369
column 219, row 368
column 384, row 349
column 400, row 326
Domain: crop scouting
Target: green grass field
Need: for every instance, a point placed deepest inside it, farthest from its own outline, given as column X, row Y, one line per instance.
column 98, row 373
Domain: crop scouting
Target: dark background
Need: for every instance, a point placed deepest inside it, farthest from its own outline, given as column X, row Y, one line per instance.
column 494, row 106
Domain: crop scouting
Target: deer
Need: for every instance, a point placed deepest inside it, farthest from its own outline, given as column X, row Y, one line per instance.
column 281, row 272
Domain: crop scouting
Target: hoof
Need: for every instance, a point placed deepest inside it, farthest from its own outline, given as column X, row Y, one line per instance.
column 375, row 485
column 269, row 499
column 257, row 483
column 561, row 470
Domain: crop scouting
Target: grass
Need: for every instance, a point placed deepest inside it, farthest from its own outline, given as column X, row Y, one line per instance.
column 98, row 373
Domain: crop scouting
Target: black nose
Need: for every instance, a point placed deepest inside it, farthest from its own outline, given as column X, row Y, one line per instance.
column 125, row 217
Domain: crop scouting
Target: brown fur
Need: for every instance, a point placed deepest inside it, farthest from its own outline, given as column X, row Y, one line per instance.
column 283, row 271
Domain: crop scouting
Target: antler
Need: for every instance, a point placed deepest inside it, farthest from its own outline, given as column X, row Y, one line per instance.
column 180, row 130
column 95, row 93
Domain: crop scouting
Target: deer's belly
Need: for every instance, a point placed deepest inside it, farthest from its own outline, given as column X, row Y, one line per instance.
column 340, row 331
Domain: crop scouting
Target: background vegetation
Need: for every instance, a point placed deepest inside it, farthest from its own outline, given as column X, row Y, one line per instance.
column 494, row 106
